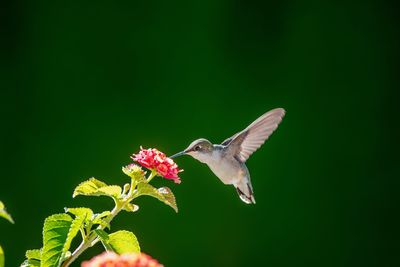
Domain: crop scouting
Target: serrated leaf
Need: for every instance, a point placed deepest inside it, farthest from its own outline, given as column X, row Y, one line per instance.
column 88, row 187
column 1, row 257
column 55, row 234
column 169, row 197
column 164, row 194
column 4, row 213
column 123, row 242
column 80, row 212
column 110, row 190
column 33, row 258
column 76, row 225
column 131, row 207
column 94, row 187
column 31, row 263
column 33, row 254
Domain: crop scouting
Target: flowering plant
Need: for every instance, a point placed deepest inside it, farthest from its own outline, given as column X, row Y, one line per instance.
column 59, row 230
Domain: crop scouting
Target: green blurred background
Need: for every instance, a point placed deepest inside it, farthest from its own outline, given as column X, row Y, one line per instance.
column 84, row 84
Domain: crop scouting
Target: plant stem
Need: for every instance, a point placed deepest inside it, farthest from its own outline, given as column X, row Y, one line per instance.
column 91, row 240
column 151, row 176
column 78, row 251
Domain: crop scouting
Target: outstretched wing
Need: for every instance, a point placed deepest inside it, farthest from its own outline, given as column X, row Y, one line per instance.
column 244, row 143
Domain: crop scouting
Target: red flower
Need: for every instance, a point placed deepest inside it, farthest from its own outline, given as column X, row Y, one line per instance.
column 110, row 259
column 156, row 160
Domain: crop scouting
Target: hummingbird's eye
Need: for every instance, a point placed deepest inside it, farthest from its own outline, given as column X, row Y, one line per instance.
column 197, row 148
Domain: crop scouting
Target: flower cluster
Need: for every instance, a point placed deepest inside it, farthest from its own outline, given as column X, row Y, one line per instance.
column 110, row 259
column 157, row 161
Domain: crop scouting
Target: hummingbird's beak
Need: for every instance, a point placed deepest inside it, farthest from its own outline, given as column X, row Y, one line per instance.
column 178, row 154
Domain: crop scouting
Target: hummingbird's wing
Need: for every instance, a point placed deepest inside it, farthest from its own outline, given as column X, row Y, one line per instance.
column 244, row 143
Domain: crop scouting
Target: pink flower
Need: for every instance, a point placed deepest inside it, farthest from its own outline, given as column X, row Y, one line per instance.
column 156, row 160
column 110, row 259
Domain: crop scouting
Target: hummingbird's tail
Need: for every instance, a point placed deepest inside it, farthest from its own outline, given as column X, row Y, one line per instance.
column 245, row 191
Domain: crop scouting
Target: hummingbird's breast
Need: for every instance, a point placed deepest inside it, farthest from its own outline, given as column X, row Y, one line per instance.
column 226, row 168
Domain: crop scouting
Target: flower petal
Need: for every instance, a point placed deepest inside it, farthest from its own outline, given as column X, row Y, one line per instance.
column 154, row 159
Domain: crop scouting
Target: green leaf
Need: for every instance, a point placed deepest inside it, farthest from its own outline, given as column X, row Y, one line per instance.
column 169, row 197
column 131, row 207
column 102, row 234
column 76, row 225
column 33, row 258
column 94, row 187
column 1, row 257
column 104, row 238
column 110, row 190
column 33, row 254
column 55, row 234
column 163, row 194
column 123, row 242
column 5, row 214
column 88, row 187
column 102, row 215
column 80, row 212
column 98, row 219
column 84, row 213
column 31, row 263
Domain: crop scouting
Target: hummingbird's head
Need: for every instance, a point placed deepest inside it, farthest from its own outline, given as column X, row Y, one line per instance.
column 198, row 149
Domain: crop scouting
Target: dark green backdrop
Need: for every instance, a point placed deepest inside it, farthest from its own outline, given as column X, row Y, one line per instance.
column 83, row 85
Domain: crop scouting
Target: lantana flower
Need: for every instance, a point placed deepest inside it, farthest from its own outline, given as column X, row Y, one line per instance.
column 111, row 259
column 155, row 160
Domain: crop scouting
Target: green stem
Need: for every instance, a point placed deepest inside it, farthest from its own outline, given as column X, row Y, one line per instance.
column 151, row 176
column 83, row 234
column 92, row 239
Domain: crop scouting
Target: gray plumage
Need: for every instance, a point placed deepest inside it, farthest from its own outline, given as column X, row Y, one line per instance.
column 228, row 159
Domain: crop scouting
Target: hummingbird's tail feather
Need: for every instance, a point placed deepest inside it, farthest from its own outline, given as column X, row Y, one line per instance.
column 245, row 191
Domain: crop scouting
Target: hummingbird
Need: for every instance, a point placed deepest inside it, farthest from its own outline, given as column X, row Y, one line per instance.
column 228, row 159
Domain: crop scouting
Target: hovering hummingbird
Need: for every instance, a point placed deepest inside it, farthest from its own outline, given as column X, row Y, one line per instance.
column 227, row 160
